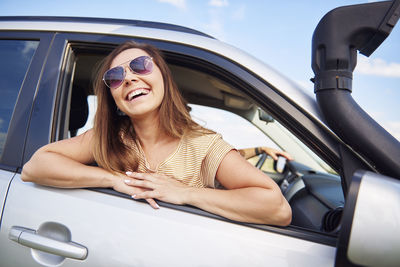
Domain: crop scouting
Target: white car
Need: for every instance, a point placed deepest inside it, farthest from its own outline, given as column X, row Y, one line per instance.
column 344, row 191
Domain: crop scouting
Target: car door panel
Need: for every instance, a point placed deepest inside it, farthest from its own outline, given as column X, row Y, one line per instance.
column 123, row 232
column 5, row 179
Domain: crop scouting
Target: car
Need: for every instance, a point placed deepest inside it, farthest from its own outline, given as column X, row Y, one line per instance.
column 343, row 185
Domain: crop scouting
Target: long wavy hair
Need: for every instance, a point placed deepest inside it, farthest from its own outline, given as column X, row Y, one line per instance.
column 113, row 133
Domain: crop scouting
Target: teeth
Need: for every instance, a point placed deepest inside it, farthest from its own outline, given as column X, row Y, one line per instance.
column 138, row 92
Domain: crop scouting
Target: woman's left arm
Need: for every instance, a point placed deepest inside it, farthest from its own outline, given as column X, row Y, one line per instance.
column 251, row 196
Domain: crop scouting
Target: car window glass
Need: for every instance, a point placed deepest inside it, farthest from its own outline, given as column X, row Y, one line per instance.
column 242, row 133
column 234, row 129
column 16, row 56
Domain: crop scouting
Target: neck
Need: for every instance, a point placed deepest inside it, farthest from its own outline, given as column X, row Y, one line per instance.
column 148, row 130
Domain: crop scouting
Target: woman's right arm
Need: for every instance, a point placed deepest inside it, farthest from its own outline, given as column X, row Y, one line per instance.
column 64, row 164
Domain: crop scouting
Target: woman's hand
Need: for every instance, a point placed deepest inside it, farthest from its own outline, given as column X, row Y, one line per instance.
column 121, row 184
column 274, row 153
column 158, row 186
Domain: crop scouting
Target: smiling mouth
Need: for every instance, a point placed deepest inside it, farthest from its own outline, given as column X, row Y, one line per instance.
column 137, row 93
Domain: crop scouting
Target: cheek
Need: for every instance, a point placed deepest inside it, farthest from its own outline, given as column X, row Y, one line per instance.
column 161, row 92
column 113, row 94
column 158, row 81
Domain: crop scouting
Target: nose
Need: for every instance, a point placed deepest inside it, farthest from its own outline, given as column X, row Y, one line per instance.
column 130, row 77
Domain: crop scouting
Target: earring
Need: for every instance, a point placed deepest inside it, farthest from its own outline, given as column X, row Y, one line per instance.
column 120, row 112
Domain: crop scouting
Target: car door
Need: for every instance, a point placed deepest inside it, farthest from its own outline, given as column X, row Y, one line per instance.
column 116, row 231
column 22, row 57
column 92, row 227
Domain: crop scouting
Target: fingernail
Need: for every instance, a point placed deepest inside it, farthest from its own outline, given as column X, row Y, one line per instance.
column 127, row 181
column 134, row 196
column 157, row 206
column 128, row 173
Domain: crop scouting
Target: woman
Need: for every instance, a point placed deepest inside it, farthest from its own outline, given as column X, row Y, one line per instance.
column 146, row 145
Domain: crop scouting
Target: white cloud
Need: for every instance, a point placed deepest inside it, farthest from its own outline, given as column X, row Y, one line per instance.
column 377, row 67
column 218, row 3
column 178, row 3
column 29, row 46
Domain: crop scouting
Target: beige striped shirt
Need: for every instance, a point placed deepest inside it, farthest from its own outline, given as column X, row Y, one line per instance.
column 194, row 162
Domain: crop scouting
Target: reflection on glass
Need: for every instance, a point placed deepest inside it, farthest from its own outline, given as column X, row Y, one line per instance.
column 16, row 55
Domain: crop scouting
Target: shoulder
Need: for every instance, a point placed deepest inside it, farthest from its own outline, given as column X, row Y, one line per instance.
column 202, row 139
column 207, row 143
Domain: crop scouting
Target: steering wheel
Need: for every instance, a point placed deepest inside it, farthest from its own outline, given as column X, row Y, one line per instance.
column 261, row 160
column 290, row 173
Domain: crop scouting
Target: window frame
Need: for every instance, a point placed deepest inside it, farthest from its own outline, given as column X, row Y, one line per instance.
column 13, row 150
column 51, row 97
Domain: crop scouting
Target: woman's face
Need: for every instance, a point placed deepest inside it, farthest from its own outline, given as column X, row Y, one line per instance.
column 139, row 95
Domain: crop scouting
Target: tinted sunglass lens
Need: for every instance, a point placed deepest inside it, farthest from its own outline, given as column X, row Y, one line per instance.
column 142, row 65
column 114, row 77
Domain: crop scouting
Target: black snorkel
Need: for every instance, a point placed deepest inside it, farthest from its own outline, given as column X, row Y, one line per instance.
column 338, row 36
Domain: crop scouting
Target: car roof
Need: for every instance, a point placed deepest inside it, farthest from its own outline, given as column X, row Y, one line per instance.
column 170, row 33
column 102, row 21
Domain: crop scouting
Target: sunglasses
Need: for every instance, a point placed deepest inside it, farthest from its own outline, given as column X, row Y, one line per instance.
column 114, row 77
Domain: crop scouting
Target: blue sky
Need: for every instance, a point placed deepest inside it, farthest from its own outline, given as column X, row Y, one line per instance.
column 278, row 33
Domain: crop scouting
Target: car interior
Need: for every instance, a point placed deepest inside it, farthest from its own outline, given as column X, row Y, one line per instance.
column 313, row 190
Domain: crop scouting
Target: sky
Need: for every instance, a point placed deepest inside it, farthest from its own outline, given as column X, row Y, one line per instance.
column 277, row 32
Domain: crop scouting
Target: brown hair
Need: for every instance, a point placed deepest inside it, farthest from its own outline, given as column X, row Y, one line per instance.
column 113, row 133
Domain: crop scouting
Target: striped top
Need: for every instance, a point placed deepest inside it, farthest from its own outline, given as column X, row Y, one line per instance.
column 194, row 162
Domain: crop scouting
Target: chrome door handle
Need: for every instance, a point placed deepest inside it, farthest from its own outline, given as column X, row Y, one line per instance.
column 30, row 238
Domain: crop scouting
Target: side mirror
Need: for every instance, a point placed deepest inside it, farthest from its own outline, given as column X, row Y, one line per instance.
column 370, row 229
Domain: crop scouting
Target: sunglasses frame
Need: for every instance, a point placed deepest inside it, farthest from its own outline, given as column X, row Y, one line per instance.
column 124, row 72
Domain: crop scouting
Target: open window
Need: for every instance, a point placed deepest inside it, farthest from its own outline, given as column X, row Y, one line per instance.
column 311, row 185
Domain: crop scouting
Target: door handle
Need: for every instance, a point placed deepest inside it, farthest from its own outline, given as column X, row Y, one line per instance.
column 30, row 238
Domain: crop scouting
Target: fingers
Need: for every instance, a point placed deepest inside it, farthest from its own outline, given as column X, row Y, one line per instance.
column 146, row 180
column 139, row 183
column 274, row 156
column 149, row 196
column 275, row 153
column 141, row 176
column 156, row 186
column 126, row 186
column 143, row 180
column 271, row 152
column 286, row 155
column 152, row 203
column 145, row 195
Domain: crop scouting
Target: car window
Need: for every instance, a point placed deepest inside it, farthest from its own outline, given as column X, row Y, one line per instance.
column 222, row 105
column 16, row 56
column 241, row 133
column 234, row 129
column 237, row 131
